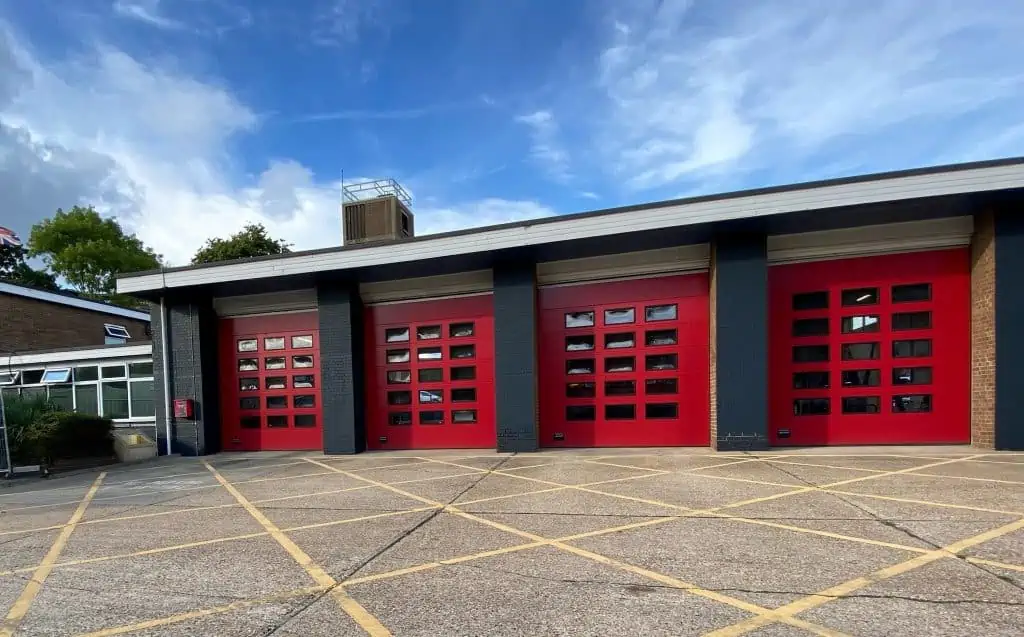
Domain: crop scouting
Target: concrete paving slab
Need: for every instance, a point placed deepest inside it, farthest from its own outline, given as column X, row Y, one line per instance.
column 413, row 472
column 1008, row 548
column 946, row 598
column 369, row 460
column 579, row 473
column 537, row 592
column 1009, row 457
column 152, row 503
column 326, row 481
column 763, row 565
column 480, row 462
column 985, row 470
column 778, row 630
column 693, row 490
column 91, row 596
column 20, row 551
column 966, row 492
column 259, row 620
column 497, row 485
column 444, row 489
column 331, row 506
column 569, row 501
column 669, row 462
column 755, row 471
column 21, row 519
column 557, row 525
column 275, row 470
column 815, row 475
column 322, row 618
column 874, row 462
column 532, row 459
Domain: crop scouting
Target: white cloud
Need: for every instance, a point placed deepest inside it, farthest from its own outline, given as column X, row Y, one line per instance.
column 545, row 147
column 692, row 90
column 152, row 146
column 147, row 11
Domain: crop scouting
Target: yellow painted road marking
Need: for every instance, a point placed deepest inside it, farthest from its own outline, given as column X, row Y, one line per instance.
column 939, row 475
column 39, row 575
column 923, row 502
column 352, row 608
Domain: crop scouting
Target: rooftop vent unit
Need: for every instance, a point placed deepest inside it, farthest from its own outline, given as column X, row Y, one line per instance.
column 376, row 211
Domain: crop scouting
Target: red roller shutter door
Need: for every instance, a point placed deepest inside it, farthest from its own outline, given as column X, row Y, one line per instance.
column 625, row 363
column 270, row 382
column 871, row 350
column 430, row 374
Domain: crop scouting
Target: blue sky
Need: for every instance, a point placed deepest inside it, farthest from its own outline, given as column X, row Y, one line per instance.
column 188, row 118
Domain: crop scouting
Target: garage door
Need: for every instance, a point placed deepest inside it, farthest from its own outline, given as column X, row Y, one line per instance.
column 430, row 374
column 871, row 350
column 270, row 382
column 625, row 363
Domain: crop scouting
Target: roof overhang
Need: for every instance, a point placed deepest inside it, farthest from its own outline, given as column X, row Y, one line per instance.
column 72, row 301
column 750, row 205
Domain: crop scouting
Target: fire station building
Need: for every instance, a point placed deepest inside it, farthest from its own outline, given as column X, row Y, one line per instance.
column 883, row 309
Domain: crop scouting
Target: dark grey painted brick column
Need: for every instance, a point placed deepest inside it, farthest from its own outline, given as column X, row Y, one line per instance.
column 515, row 356
column 741, row 330
column 192, row 339
column 341, row 367
column 1009, row 429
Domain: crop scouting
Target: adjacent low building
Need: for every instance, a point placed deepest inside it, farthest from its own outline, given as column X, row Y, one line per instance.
column 874, row 310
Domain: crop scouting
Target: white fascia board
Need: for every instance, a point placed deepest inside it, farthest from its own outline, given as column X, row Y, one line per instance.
column 77, row 356
column 880, row 190
column 70, row 301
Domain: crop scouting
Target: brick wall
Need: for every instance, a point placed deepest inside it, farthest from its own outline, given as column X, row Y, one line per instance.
column 515, row 357
column 713, row 349
column 30, row 325
column 983, row 332
column 341, row 367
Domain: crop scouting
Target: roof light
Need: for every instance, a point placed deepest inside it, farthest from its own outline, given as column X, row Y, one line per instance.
column 56, row 375
column 116, row 331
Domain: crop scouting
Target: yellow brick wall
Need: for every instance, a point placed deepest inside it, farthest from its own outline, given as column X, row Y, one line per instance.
column 983, row 332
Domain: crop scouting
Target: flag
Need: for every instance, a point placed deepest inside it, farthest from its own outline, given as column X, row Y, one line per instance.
column 9, row 239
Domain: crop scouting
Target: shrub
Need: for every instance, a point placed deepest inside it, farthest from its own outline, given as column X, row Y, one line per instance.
column 39, row 432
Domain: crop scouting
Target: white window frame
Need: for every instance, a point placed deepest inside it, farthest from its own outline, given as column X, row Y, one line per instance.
column 116, row 331
column 12, row 377
column 64, row 378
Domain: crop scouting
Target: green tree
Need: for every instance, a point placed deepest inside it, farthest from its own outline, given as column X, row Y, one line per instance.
column 251, row 241
column 14, row 269
column 89, row 252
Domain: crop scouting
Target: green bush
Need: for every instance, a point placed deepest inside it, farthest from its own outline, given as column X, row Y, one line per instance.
column 39, row 432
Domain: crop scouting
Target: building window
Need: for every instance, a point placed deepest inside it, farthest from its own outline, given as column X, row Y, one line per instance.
column 9, row 378
column 115, row 334
column 56, row 375
column 119, row 391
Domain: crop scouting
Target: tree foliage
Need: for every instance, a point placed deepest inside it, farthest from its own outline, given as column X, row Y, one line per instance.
column 89, row 252
column 251, row 241
column 14, row 269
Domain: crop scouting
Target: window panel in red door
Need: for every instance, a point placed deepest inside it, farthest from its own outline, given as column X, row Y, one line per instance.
column 270, row 383
column 430, row 374
column 893, row 364
column 625, row 363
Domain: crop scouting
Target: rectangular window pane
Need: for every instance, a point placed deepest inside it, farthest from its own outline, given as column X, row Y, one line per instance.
column 249, row 422
column 400, row 377
column 396, row 334
column 810, row 353
column 619, row 364
column 462, row 373
column 277, row 402
column 662, row 362
column 140, row 370
column 464, row 395
column 619, row 341
column 428, row 332
column 911, row 320
column 660, row 337
column 32, row 376
column 619, row 412
column 301, row 342
column 581, row 343
column 811, row 380
column 579, row 366
column 860, row 351
column 661, row 386
column 303, row 381
column 660, row 312
column 429, row 353
column 247, row 345
column 661, row 410
column 810, row 301
column 579, row 390
column 912, row 376
column 810, row 407
column 911, row 403
column 273, row 342
column 431, row 396
column 460, row 330
column 85, row 400
column 142, row 405
column 579, row 319
column 619, row 316
column 107, row 371
column 431, row 375
column 580, row 412
column 277, row 422
column 810, row 327
column 276, row 382
column 31, row 393
column 277, row 362
column 912, row 348
column 860, row 324
column 860, row 296
column 862, row 378
column 56, row 375
column 431, row 417
column 248, row 365
column 462, row 351
column 86, row 373
column 911, row 293
column 249, row 403
column 397, row 356
column 861, row 404
column 61, row 396
column 400, row 418
column 115, row 399
column 304, row 401
column 305, row 420
column 399, row 397
column 302, row 362
column 464, row 416
column 619, row 388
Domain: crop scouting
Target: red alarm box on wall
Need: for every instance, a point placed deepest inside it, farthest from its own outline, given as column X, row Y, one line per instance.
column 184, row 408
